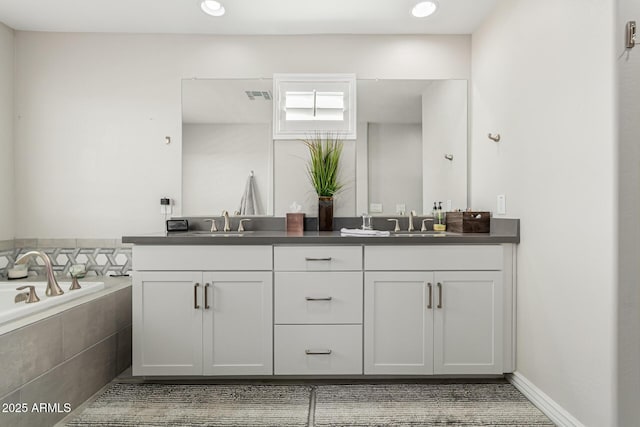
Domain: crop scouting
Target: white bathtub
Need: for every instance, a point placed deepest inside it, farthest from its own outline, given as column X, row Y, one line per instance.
column 9, row 310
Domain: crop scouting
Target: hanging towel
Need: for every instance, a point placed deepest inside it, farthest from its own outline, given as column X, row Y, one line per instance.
column 249, row 201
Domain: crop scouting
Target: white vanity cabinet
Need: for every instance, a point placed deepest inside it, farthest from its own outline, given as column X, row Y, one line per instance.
column 443, row 313
column 318, row 310
column 342, row 309
column 208, row 321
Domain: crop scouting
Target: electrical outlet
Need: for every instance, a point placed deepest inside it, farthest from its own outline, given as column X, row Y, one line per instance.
column 375, row 208
column 502, row 204
column 448, row 206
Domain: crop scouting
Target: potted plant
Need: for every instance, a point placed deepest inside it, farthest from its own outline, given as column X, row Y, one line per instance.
column 322, row 168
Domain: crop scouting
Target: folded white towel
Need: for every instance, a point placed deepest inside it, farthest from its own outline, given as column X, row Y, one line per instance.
column 359, row 232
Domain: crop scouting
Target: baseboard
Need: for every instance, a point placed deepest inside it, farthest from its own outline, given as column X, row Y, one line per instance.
column 548, row 406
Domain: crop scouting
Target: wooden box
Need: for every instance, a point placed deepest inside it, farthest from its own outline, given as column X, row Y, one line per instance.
column 295, row 223
column 468, row 222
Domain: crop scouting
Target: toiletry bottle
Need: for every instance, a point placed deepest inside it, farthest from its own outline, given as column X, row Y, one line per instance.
column 440, row 214
column 434, row 212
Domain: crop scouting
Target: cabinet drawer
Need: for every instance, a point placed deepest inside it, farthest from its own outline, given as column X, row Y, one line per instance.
column 318, row 297
column 433, row 258
column 236, row 258
column 318, row 349
column 317, row 258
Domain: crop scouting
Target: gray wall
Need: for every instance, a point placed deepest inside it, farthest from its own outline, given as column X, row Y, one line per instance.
column 551, row 95
column 6, row 133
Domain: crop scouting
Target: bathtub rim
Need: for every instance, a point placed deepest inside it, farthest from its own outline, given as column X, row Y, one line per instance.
column 111, row 285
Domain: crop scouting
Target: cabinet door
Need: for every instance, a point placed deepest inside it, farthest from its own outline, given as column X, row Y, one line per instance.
column 238, row 323
column 468, row 322
column 398, row 323
column 167, row 325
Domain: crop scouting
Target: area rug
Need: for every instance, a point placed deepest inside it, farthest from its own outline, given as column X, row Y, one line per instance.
column 498, row 404
column 198, row 405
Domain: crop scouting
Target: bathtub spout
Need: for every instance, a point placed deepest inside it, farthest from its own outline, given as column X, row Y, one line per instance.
column 53, row 289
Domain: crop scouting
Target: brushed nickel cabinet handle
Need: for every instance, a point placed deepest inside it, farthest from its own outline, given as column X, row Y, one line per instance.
column 318, row 298
column 195, row 296
column 311, row 352
column 206, row 296
column 430, row 305
column 317, row 259
column 439, row 295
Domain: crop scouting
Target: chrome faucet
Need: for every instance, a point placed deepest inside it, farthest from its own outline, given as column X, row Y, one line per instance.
column 227, row 226
column 53, row 289
column 411, row 215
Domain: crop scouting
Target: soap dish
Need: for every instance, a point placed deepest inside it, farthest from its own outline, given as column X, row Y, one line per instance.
column 19, row 271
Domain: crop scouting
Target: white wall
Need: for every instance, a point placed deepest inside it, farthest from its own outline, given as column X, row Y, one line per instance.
column 216, row 162
column 94, row 110
column 444, row 132
column 6, row 134
column 543, row 77
column 395, row 166
column 628, row 215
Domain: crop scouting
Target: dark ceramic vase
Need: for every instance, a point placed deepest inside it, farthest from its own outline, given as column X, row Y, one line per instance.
column 325, row 213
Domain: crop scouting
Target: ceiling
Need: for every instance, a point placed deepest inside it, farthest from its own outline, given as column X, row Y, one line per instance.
column 243, row 16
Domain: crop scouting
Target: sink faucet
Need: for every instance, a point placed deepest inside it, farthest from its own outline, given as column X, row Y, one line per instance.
column 53, row 289
column 241, row 226
column 227, row 226
column 411, row 215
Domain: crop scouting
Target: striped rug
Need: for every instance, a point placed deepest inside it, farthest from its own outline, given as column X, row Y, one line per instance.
column 499, row 404
column 493, row 403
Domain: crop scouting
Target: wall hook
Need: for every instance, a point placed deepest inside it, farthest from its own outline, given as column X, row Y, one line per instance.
column 448, row 157
column 495, row 137
column 167, row 140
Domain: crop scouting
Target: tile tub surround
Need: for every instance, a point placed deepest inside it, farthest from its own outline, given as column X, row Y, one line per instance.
column 101, row 256
column 67, row 356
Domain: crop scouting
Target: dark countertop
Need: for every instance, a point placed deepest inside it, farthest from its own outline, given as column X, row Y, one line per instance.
column 320, row 238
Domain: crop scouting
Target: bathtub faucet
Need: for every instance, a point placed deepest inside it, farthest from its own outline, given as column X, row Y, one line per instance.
column 53, row 289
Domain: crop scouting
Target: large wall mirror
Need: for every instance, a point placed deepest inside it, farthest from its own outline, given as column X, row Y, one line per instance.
column 226, row 141
column 411, row 148
column 412, row 145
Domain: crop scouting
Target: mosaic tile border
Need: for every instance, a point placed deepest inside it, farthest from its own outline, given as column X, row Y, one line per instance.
column 98, row 261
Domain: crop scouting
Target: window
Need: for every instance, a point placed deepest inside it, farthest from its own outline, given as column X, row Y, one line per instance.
column 309, row 103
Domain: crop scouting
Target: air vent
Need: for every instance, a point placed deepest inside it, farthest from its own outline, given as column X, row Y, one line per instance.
column 258, row 94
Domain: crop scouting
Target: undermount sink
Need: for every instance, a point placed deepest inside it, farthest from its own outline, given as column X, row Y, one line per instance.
column 423, row 233
column 203, row 233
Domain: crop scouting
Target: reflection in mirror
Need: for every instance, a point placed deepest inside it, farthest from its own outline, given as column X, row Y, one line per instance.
column 226, row 137
column 412, row 145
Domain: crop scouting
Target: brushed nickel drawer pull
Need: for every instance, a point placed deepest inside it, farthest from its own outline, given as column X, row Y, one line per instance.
column 317, row 259
column 318, row 298
column 206, row 296
column 312, row 352
column 430, row 305
column 439, row 295
column 195, row 296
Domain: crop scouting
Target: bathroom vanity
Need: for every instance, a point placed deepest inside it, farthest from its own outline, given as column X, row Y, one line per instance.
column 268, row 303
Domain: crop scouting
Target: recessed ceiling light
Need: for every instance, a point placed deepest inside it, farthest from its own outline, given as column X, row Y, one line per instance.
column 424, row 8
column 211, row 7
